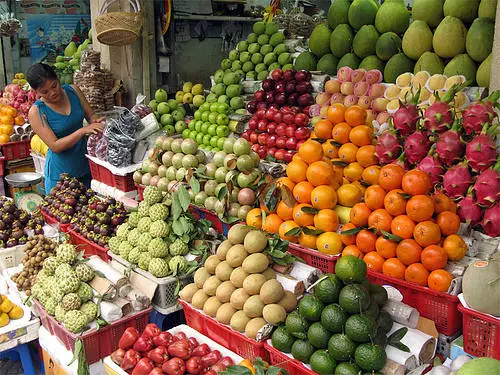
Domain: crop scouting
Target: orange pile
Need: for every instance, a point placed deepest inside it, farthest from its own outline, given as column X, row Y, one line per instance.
column 328, row 169
column 405, row 232
column 8, row 118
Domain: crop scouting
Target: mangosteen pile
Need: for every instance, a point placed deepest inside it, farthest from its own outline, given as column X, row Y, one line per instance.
column 14, row 224
column 96, row 219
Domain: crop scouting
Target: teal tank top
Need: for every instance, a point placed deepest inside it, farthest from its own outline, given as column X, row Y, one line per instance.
column 72, row 160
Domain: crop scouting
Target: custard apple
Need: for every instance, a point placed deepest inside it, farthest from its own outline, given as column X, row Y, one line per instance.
column 75, row 321
column 144, row 241
column 68, row 283
column 71, row 301
column 158, row 211
column 152, row 195
column 50, row 305
column 84, row 272
column 50, row 282
column 178, row 247
column 144, row 260
column 57, row 293
column 133, row 236
column 59, row 313
column 85, row 292
column 122, row 231
column 125, row 249
column 144, row 224
column 159, row 228
column 50, row 264
column 158, row 267
column 90, row 310
column 37, row 290
column 143, row 209
column 63, row 269
column 178, row 263
column 133, row 219
column 114, row 245
column 133, row 256
column 158, row 248
column 42, row 276
column 66, row 253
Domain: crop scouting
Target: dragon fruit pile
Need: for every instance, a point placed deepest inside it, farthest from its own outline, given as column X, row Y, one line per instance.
column 456, row 149
column 19, row 98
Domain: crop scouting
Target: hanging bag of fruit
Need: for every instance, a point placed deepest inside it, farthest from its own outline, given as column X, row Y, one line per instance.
column 9, row 25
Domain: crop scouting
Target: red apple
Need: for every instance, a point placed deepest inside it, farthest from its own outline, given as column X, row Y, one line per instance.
column 302, row 76
column 270, row 113
column 281, row 129
column 262, row 139
column 272, row 150
column 277, row 74
column 280, row 98
column 288, row 118
column 290, row 87
column 302, row 133
column 271, row 127
column 260, row 114
column 280, row 154
column 278, row 117
column 280, row 86
column 290, row 131
column 274, row 106
column 291, row 143
column 288, row 156
column 270, row 97
column 268, row 85
column 255, row 147
column 301, row 119
column 246, row 135
column 253, row 122
column 262, row 152
column 292, row 98
column 288, row 75
column 271, row 140
column 281, row 142
column 253, row 137
column 261, row 105
column 262, row 125
column 260, row 95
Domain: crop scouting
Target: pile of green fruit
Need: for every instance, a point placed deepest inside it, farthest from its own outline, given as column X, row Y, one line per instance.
column 190, row 94
column 62, row 289
column 169, row 113
column 341, row 327
column 70, row 62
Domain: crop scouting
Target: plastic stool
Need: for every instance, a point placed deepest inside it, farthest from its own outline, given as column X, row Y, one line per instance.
column 22, row 353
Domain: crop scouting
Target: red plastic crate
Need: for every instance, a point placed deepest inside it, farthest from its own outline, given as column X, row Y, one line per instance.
column 89, row 247
column 291, row 365
column 16, row 150
column 481, row 333
column 440, row 307
column 224, row 335
column 2, row 166
column 96, row 343
column 104, row 175
column 49, row 219
column 140, row 191
column 202, row 213
column 314, row 258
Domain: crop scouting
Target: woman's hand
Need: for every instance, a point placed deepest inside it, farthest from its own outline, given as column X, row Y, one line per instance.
column 94, row 128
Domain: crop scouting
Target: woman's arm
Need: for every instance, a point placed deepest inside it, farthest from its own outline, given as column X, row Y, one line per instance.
column 89, row 112
column 50, row 139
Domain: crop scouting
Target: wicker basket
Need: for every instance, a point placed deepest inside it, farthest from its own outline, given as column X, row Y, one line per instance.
column 118, row 28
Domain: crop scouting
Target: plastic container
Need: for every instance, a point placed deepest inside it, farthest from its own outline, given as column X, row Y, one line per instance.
column 140, row 191
column 96, row 343
column 440, row 307
column 51, row 220
column 89, row 247
column 481, row 333
column 202, row 213
column 314, row 258
column 16, row 150
column 287, row 363
column 224, row 335
column 164, row 296
column 102, row 174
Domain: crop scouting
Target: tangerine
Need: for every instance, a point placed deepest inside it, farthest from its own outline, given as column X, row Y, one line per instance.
column 336, row 113
column 272, row 223
column 395, row 202
column 326, row 220
column 381, row 220
column 284, row 212
column 365, row 240
column 355, row 115
column 394, row 268
column 285, row 181
column 308, row 240
column 329, row 243
column 285, row 227
column 455, row 247
column 408, row 252
column 353, row 171
column 366, row 155
column 374, row 197
column 302, row 218
column 340, row 132
column 352, row 250
column 348, row 239
column 417, row 273
column 390, row 176
column 370, row 174
column 323, row 196
column 329, row 149
column 296, row 170
column 427, row 233
column 386, row 248
column 374, row 261
column 361, row 135
column 416, row 182
column 302, row 192
column 449, row 223
column 359, row 214
column 441, row 202
column 402, row 226
column 254, row 218
column 323, row 129
column 420, row 208
column 319, row 173
column 433, row 257
column 348, row 195
column 440, row 280
column 347, row 152
column 311, row 151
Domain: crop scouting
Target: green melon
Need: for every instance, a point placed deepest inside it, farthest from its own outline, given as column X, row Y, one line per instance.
column 429, row 11
column 461, row 65
column 484, row 71
column 397, row 65
column 479, row 39
column 349, row 59
column 362, row 12
column 306, row 61
column 341, row 40
column 365, row 41
column 319, row 41
column 449, row 37
column 392, row 16
column 466, row 10
column 388, row 44
column 417, row 40
column 429, row 62
column 477, row 366
column 337, row 13
column 328, row 64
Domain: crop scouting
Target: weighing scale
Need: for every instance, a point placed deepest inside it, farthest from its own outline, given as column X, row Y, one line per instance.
column 23, row 189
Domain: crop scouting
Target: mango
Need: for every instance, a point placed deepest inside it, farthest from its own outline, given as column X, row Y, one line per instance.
column 16, row 313
column 449, row 37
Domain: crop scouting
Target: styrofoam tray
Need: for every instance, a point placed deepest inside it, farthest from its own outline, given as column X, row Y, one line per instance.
column 17, row 323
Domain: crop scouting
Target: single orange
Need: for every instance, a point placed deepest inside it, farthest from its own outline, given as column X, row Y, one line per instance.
column 402, row 226
column 326, row 220
column 370, row 174
column 353, row 171
column 394, row 268
column 381, row 220
column 441, row 202
column 296, row 171
column 390, row 177
column 386, row 248
column 311, row 151
column 448, row 222
column 417, row 273
column 285, row 227
column 366, row 155
column 361, row 135
column 420, row 208
column 408, row 252
column 355, row 116
column 308, row 240
column 284, row 212
column 352, row 250
column 347, row 152
column 395, row 202
column 323, row 196
column 336, row 113
column 365, row 240
column 319, row 173
column 323, row 129
column 285, row 181
column 348, row 239
column 455, row 247
column 302, row 192
column 416, row 182
column 440, row 280
column 359, row 214
column 374, row 261
column 433, row 257
column 340, row 132
column 302, row 218
column 272, row 223
column 254, row 218
column 330, row 149
column 374, row 197
column 427, row 233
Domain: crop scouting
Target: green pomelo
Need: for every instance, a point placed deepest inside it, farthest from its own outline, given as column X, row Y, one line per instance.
column 479, row 40
column 350, row 60
column 417, row 40
column 397, row 65
column 337, row 13
column 484, row 71
column 466, row 10
column 371, row 62
column 461, row 65
column 259, row 28
column 365, row 41
column 430, row 11
column 480, row 366
column 449, row 37
column 328, row 64
column 319, row 41
column 487, row 9
column 429, row 62
column 392, row 16
column 388, row 44
column 341, row 40
column 362, row 12
column 306, row 61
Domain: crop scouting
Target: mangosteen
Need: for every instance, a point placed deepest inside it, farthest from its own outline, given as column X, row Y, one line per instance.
column 38, row 229
column 9, row 207
column 24, row 217
column 104, row 218
column 65, row 219
column 105, row 231
column 110, row 211
column 102, row 241
column 23, row 240
column 101, row 207
column 110, row 201
column 4, row 235
column 8, row 218
column 11, row 242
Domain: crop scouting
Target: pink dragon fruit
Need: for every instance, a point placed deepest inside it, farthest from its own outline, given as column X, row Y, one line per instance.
column 491, row 221
column 431, row 165
column 481, row 152
column 388, row 148
column 416, row 147
column 450, row 147
column 405, row 119
column 456, row 181
column 438, row 117
column 476, row 115
column 469, row 211
column 487, row 188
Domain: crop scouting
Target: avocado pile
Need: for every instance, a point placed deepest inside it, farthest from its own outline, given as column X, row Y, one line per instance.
column 340, row 327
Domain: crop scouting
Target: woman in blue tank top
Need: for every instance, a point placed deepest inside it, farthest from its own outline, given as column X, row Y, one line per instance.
column 57, row 118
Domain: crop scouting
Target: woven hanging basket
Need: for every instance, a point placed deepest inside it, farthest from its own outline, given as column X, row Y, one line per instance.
column 118, row 28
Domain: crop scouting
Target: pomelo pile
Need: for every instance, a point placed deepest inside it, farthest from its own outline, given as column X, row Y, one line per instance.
column 456, row 149
column 454, row 37
column 404, row 231
column 332, row 166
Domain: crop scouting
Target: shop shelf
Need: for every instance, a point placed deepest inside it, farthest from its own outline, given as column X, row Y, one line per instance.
column 314, row 258
column 481, row 333
column 16, row 150
column 89, row 247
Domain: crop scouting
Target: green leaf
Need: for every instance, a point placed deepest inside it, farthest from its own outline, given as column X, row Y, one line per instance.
column 76, row 351
column 340, row 163
column 309, row 210
column 273, row 370
column 391, row 237
column 405, row 195
column 195, row 185
column 400, row 346
column 176, row 207
column 351, row 231
column 336, row 144
column 396, row 336
column 177, row 228
column 236, row 370
column 178, row 287
column 184, row 198
column 293, row 232
column 311, row 232
column 222, row 193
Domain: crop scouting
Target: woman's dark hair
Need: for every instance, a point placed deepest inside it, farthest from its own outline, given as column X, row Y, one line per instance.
column 38, row 73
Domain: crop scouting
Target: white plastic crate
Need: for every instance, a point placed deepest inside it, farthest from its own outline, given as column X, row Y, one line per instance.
column 39, row 162
column 11, row 256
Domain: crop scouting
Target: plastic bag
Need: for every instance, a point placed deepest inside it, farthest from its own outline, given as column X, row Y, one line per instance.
column 92, row 143
column 141, row 109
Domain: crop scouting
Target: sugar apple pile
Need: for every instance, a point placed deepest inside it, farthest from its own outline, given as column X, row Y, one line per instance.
column 62, row 287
